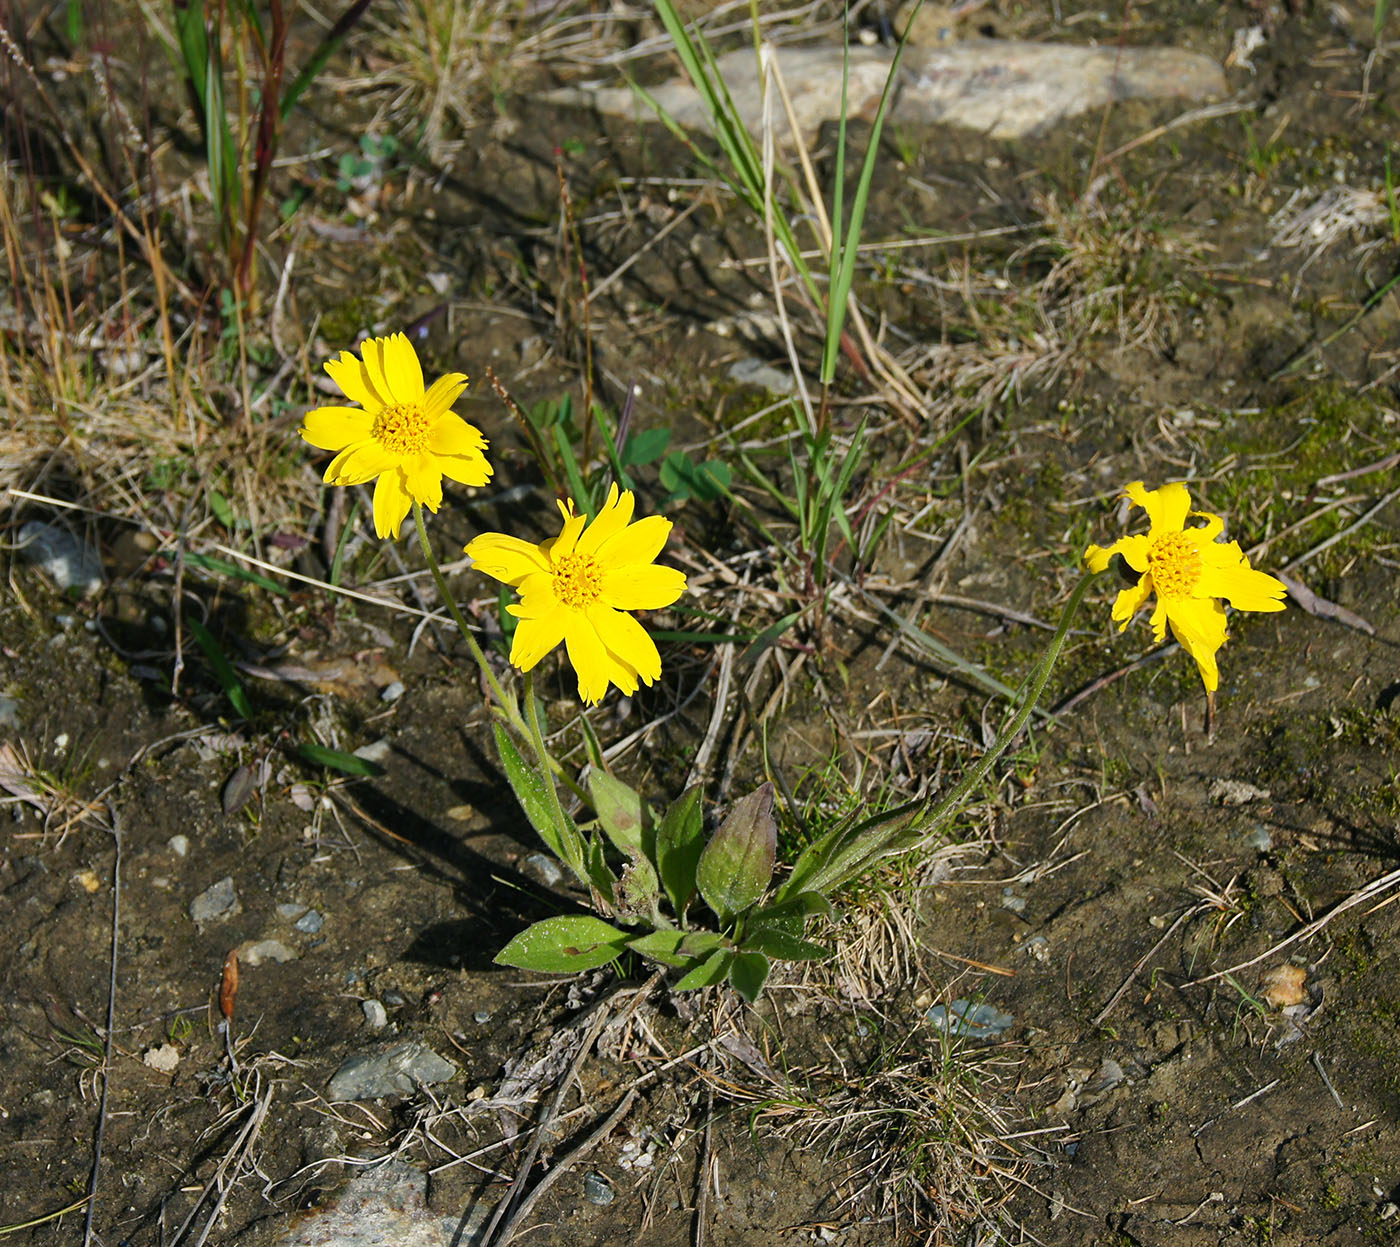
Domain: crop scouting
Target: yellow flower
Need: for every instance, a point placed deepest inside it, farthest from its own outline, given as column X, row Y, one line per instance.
column 405, row 436
column 577, row 588
column 1190, row 571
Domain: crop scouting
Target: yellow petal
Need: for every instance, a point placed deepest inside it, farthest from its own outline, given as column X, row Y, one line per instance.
column 1243, row 587
column 391, row 504
column 466, row 469
column 334, row 428
column 564, row 544
column 642, row 587
column 1133, row 549
column 401, row 368
column 1212, row 528
column 451, row 435
column 443, row 393
column 505, row 558
column 1167, row 508
column 360, row 462
column 423, row 481
column 627, row 641
column 537, row 597
column 534, row 638
column 372, row 349
column 637, row 543
column 1130, row 601
column 611, row 520
column 1199, row 624
column 589, row 658
column 354, row 380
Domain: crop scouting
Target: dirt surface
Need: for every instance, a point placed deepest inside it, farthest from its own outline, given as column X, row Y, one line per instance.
column 1192, row 935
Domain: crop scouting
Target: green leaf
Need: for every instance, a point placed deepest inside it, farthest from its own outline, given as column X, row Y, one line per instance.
column 662, row 946
column 223, row 511
column 735, row 867
column 783, row 946
column 748, row 974
column 706, row 973
column 223, row 671
column 645, row 446
column 702, row 943
column 564, row 945
column 332, row 40
column 679, row 842
column 205, row 563
column 791, row 915
column 530, row 785
column 619, row 810
column 347, row 763
column 599, row 875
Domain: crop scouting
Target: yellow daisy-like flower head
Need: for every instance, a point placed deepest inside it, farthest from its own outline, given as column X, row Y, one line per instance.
column 1189, row 571
column 406, row 436
column 578, row 587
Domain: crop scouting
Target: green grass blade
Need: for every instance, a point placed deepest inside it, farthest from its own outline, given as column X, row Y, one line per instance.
column 209, row 564
column 844, row 253
column 223, row 669
column 324, row 51
column 346, row 763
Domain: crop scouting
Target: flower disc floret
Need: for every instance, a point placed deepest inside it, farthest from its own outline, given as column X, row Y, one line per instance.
column 578, row 588
column 1191, row 572
column 402, row 434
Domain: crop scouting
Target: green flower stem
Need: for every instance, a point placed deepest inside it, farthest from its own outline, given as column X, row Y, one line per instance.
column 566, row 825
column 902, row 828
column 509, row 707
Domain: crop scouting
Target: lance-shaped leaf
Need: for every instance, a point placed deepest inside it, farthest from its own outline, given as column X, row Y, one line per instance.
column 791, row 915
column 529, row 783
column 782, row 945
column 662, row 946
column 620, row 812
column 708, row 972
column 564, row 945
column 736, row 865
column 679, row 841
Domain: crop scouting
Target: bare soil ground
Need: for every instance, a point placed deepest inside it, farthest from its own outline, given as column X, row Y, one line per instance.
column 1194, row 937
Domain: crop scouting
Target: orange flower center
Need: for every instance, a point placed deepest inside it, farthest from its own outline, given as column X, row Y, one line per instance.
column 1175, row 563
column 402, row 429
column 578, row 581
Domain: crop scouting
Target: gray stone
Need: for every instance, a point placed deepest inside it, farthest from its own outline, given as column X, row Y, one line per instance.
column 965, row 1020
column 375, row 1014
column 1003, row 88
column 254, row 954
column 310, row 922
column 66, row 559
column 216, row 903
column 9, row 711
column 394, row 1071
column 765, row 376
column 544, row 868
column 387, row 1204
column 597, row 1189
column 392, row 692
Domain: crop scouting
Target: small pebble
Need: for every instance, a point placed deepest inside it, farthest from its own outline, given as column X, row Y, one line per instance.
column 375, row 751
column 179, row 845
column 9, row 711
column 597, row 1189
column 310, row 922
column 217, row 902
column 290, row 910
column 163, row 1058
column 374, row 1014
column 481, row 1017
column 254, row 954
column 394, row 1071
column 544, row 868
column 392, row 692
column 393, row 999
column 964, row 1019
column 66, row 559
